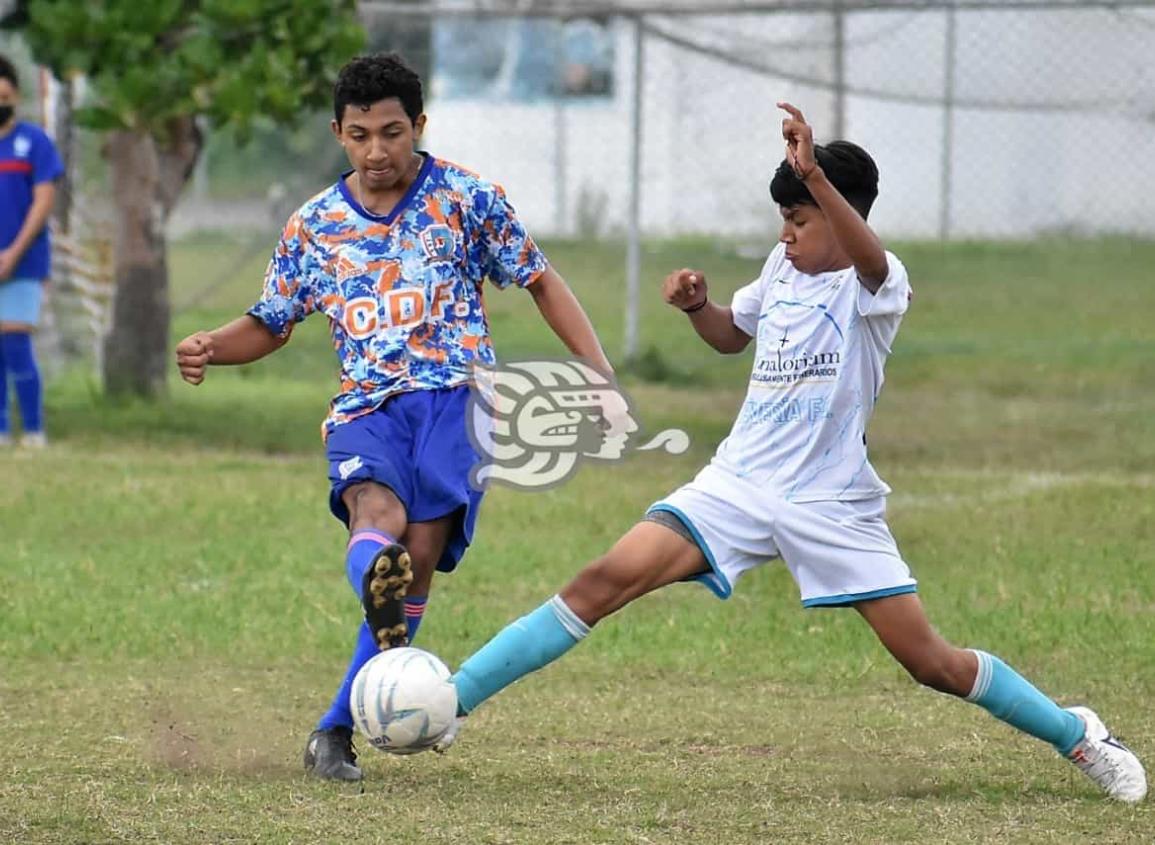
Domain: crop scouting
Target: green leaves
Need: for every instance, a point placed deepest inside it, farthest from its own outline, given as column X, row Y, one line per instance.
column 233, row 61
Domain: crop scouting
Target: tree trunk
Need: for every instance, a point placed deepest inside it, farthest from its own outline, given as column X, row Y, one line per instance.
column 147, row 177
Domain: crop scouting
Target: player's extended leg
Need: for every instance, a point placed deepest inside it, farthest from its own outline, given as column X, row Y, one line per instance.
column 378, row 567
column 1076, row 733
column 379, row 571
column 425, row 543
column 649, row 556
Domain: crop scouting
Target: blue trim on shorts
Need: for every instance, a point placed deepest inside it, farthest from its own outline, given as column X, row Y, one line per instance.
column 722, row 590
column 846, row 599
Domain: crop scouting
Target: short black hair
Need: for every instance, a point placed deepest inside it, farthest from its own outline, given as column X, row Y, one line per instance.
column 369, row 79
column 8, row 71
column 849, row 168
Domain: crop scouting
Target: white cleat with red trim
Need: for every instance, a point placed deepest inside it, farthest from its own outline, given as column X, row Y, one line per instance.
column 1108, row 762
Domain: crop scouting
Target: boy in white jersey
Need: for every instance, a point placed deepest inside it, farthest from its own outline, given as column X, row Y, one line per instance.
column 792, row 481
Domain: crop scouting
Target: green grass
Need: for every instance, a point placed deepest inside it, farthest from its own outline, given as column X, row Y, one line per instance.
column 173, row 614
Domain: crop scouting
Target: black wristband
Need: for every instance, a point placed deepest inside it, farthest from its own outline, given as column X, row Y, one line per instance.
column 697, row 307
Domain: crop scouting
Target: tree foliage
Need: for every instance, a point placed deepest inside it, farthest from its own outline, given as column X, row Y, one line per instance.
column 231, row 61
column 155, row 70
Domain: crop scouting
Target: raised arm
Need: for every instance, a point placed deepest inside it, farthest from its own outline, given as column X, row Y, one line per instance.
column 686, row 290
column 851, row 231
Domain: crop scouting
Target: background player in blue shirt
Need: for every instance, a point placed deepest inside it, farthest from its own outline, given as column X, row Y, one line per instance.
column 792, row 480
column 29, row 168
column 395, row 255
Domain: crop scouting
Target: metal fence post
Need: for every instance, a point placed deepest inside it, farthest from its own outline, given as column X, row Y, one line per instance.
column 944, row 221
column 633, row 235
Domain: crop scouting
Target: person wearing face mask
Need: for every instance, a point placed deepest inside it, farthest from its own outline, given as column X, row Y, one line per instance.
column 29, row 168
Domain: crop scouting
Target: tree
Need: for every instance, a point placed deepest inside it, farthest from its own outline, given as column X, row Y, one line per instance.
column 154, row 69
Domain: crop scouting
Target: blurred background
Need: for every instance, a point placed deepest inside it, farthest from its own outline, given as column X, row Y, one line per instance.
column 621, row 122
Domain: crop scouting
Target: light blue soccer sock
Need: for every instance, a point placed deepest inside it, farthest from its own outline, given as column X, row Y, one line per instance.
column 1008, row 696
column 520, row 648
column 363, row 545
column 20, row 362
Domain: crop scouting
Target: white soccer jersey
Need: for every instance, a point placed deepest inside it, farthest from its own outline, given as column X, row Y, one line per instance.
column 822, row 342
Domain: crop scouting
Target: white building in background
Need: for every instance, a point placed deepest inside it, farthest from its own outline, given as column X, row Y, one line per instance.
column 1053, row 127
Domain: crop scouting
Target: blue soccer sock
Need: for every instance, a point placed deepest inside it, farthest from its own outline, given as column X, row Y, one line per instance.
column 414, row 612
column 363, row 545
column 1008, row 696
column 20, row 364
column 339, row 714
column 520, row 648
column 364, row 649
column 3, row 392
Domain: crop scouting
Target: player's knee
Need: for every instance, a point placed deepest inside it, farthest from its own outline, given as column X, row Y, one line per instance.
column 373, row 504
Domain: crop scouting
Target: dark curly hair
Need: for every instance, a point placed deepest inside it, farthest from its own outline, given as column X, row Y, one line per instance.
column 849, row 168
column 8, row 71
column 369, row 79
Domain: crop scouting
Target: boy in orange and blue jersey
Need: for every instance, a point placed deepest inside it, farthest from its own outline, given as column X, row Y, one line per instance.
column 394, row 254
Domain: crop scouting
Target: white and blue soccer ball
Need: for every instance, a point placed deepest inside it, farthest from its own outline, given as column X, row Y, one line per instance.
column 403, row 701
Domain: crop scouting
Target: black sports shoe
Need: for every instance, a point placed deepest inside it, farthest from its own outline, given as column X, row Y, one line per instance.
column 329, row 754
column 383, row 590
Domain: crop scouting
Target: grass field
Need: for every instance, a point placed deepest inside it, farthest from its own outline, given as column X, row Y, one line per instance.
column 173, row 614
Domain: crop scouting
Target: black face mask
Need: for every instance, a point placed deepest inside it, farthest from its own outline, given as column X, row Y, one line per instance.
column 6, row 114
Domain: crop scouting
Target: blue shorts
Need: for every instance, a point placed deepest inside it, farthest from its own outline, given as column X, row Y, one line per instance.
column 20, row 301
column 416, row 444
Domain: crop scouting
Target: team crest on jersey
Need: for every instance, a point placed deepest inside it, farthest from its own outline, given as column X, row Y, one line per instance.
column 21, row 146
column 437, row 241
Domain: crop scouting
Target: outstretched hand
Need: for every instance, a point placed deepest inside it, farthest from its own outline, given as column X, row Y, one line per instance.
column 799, row 142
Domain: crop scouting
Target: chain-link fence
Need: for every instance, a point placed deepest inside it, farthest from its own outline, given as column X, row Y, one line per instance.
column 988, row 119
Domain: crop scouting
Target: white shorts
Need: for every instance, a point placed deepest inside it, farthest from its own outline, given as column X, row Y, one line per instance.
column 838, row 552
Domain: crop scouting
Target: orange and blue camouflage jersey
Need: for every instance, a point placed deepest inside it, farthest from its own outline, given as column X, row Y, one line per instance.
column 403, row 292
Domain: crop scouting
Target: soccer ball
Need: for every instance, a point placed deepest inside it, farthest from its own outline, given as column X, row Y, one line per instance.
column 403, row 701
